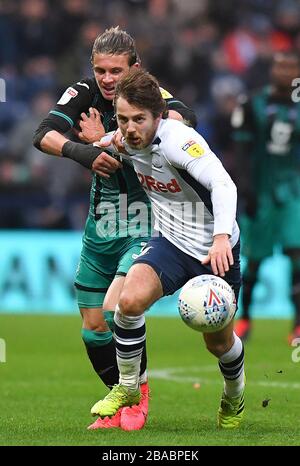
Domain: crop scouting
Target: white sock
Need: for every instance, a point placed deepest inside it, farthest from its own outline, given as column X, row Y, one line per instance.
column 232, row 367
column 128, row 359
column 143, row 377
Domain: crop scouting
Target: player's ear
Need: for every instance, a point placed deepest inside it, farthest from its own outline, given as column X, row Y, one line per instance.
column 136, row 65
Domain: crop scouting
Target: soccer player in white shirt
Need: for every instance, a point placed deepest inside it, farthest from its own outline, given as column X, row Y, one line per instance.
column 194, row 204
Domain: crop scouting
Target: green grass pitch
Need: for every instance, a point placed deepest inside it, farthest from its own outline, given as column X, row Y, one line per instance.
column 48, row 386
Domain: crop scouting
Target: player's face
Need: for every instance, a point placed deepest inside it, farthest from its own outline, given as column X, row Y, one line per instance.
column 284, row 70
column 108, row 70
column 137, row 125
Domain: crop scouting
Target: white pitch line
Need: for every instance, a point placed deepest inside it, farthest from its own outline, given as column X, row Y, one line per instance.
column 174, row 374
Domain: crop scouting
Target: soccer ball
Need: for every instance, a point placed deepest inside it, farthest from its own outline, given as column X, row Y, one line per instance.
column 206, row 303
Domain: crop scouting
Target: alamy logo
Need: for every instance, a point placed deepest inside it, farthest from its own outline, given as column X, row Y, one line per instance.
column 2, row 350
column 296, row 351
column 2, row 90
column 120, row 219
column 295, row 96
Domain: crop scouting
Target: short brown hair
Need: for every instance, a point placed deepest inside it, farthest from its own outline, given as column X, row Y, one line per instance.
column 115, row 41
column 141, row 89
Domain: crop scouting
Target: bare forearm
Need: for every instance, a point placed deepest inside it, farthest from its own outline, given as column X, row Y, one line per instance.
column 53, row 142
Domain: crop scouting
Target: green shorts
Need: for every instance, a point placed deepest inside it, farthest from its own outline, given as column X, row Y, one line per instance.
column 274, row 225
column 95, row 272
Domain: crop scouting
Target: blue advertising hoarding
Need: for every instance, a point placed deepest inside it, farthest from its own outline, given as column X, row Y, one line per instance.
column 37, row 271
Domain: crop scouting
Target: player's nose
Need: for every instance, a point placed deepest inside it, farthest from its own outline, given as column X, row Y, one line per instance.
column 130, row 127
column 107, row 78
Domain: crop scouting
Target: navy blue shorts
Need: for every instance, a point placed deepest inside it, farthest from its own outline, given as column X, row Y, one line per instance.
column 174, row 267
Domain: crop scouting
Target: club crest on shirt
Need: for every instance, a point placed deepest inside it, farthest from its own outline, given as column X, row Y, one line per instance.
column 193, row 149
column 69, row 94
column 156, row 160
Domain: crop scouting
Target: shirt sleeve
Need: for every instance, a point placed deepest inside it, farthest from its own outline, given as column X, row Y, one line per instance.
column 75, row 100
column 188, row 115
column 223, row 196
column 190, row 152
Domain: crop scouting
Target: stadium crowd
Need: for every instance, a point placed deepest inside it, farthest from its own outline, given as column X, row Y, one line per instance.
column 205, row 51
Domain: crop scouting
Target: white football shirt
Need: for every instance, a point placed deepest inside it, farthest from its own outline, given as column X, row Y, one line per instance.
column 192, row 196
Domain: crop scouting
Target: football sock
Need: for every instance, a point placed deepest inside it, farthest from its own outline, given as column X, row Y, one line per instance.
column 143, row 376
column 130, row 336
column 232, row 367
column 101, row 349
column 109, row 317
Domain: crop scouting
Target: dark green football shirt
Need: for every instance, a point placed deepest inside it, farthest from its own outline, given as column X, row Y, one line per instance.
column 119, row 206
column 272, row 126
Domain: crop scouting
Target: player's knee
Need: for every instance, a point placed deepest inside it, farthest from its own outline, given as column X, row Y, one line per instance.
column 95, row 338
column 130, row 305
column 94, row 322
column 97, row 327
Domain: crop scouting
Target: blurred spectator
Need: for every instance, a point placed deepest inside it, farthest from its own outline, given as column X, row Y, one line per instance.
column 70, row 18
column 9, row 53
column 76, row 61
column 287, row 17
column 35, row 30
column 201, row 50
column 39, row 74
column 240, row 47
column 55, row 190
column 267, row 145
column 225, row 91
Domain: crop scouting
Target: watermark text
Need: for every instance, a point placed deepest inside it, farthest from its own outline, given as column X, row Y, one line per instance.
column 2, row 90
column 2, row 350
column 296, row 351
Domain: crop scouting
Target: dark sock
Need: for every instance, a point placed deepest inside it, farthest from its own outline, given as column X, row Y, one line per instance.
column 144, row 360
column 100, row 347
column 103, row 359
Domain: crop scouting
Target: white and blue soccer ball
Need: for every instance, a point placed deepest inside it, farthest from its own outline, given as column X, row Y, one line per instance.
column 207, row 303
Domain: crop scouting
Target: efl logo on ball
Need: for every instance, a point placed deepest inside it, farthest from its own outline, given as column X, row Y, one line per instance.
column 207, row 303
